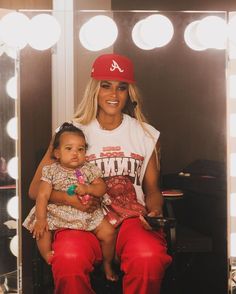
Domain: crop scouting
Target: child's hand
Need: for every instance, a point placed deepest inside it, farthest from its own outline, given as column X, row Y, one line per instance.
column 39, row 228
column 81, row 189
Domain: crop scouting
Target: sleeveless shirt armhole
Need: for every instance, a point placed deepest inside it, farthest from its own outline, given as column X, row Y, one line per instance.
column 150, row 142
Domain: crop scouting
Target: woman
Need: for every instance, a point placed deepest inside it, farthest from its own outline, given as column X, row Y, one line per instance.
column 125, row 148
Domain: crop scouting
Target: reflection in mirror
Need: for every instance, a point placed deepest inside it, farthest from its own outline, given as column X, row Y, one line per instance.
column 9, row 257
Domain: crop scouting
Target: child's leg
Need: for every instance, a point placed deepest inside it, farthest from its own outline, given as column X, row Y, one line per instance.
column 106, row 234
column 45, row 246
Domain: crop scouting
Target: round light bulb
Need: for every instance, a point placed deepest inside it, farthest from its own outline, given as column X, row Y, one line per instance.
column 12, row 207
column 233, row 204
column 12, row 128
column 233, row 164
column 137, row 38
column 11, row 51
column 233, row 244
column 232, row 126
column 212, row 32
column 232, row 29
column 12, row 168
column 44, row 31
column 14, row 245
column 232, row 86
column 11, row 87
column 157, row 30
column 98, row 33
column 14, row 29
column 190, row 37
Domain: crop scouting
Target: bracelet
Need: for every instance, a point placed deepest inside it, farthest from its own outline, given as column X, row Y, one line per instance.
column 71, row 190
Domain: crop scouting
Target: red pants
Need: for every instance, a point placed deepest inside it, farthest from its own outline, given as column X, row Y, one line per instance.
column 142, row 254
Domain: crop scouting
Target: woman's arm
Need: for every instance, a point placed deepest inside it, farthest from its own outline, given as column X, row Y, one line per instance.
column 62, row 198
column 151, row 186
column 153, row 197
column 42, row 200
column 97, row 188
column 35, row 183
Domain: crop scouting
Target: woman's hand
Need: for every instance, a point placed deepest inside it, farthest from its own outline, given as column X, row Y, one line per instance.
column 154, row 199
column 91, row 205
column 62, row 198
column 154, row 213
column 81, row 189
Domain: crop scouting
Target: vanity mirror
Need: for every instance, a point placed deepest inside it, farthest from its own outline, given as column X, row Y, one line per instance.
column 10, row 260
column 184, row 96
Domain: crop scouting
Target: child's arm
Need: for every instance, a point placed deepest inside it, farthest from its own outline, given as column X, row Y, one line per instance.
column 58, row 197
column 41, row 224
column 97, row 188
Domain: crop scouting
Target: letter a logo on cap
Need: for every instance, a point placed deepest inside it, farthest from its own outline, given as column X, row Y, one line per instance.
column 115, row 66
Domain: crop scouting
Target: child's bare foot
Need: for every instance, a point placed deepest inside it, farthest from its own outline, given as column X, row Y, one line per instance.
column 110, row 274
column 48, row 257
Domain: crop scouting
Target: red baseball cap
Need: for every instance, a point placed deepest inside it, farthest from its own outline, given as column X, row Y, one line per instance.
column 113, row 67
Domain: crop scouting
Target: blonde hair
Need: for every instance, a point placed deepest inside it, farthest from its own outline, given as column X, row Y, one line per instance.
column 88, row 107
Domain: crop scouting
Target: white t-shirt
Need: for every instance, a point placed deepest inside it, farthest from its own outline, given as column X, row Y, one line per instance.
column 123, row 152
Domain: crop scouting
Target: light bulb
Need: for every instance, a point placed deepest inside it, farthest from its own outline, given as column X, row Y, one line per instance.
column 233, row 204
column 14, row 29
column 232, row 124
column 232, row 86
column 137, row 38
column 232, row 29
column 233, row 244
column 212, row 32
column 12, row 168
column 14, row 245
column 157, row 30
column 233, row 164
column 12, row 128
column 98, row 33
column 12, row 207
column 44, row 31
column 11, row 51
column 11, row 87
column 190, row 37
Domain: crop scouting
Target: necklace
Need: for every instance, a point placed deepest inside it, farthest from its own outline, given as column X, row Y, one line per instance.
column 112, row 127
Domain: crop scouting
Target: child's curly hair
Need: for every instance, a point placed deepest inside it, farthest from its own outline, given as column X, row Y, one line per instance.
column 66, row 127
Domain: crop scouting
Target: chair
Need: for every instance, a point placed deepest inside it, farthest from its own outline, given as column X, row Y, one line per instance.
column 184, row 245
column 180, row 240
column 43, row 280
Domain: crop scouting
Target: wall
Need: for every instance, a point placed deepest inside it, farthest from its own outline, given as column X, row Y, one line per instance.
column 26, row 4
column 171, row 5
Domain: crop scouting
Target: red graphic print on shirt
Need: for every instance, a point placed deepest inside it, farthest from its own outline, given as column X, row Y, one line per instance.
column 123, row 199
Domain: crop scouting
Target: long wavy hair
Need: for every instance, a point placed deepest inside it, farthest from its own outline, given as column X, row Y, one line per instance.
column 88, row 107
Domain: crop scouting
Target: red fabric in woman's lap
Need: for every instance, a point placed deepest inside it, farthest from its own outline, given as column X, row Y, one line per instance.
column 142, row 253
